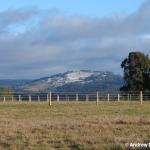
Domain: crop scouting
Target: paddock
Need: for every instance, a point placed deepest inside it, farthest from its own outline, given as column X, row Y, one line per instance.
column 73, row 125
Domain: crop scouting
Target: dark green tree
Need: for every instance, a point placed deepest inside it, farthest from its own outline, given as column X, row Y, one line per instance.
column 136, row 72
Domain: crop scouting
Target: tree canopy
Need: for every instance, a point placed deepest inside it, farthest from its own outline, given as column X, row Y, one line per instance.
column 136, row 72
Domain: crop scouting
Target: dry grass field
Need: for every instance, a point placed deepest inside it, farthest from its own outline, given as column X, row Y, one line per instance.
column 75, row 126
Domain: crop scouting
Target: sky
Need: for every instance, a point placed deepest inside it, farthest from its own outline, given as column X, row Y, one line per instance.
column 82, row 7
column 40, row 38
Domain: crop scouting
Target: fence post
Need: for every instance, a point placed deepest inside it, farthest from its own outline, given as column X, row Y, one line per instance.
column 47, row 98
column 108, row 96
column 29, row 98
column 118, row 97
column 57, row 98
column 97, row 100
column 68, row 98
column 141, row 97
column 50, row 98
column 77, row 97
column 19, row 98
column 4, row 99
column 12, row 98
column 128, row 97
column 87, row 97
column 38, row 98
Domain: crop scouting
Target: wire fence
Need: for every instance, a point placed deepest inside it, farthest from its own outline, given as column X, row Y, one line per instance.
column 76, row 96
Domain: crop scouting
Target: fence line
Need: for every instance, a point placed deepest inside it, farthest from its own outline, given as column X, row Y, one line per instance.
column 76, row 96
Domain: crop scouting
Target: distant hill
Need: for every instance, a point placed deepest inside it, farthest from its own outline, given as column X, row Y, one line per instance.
column 12, row 83
column 76, row 81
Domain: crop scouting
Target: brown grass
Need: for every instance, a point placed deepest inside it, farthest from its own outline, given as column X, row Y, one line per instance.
column 77, row 126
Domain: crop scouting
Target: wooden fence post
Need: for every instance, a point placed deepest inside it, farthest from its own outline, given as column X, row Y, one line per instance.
column 77, row 97
column 19, row 98
column 97, row 100
column 38, row 98
column 57, row 98
column 12, row 98
column 4, row 99
column 128, row 97
column 68, row 98
column 87, row 97
column 50, row 98
column 108, row 96
column 141, row 97
column 29, row 98
column 118, row 97
column 47, row 98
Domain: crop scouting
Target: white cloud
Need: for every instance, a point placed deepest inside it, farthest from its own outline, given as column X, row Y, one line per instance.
column 55, row 42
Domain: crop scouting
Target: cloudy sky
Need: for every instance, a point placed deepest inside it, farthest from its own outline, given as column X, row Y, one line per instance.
column 42, row 37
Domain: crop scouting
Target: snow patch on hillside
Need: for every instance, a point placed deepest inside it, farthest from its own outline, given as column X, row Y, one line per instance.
column 77, row 76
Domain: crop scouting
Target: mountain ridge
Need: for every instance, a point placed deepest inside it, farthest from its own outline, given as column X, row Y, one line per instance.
column 76, row 80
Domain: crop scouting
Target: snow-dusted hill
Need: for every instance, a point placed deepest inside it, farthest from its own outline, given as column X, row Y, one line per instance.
column 71, row 81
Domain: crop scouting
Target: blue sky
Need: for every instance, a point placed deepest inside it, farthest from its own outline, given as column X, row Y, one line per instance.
column 84, row 7
column 42, row 37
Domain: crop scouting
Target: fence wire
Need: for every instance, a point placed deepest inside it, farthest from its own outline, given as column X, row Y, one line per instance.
column 76, row 96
